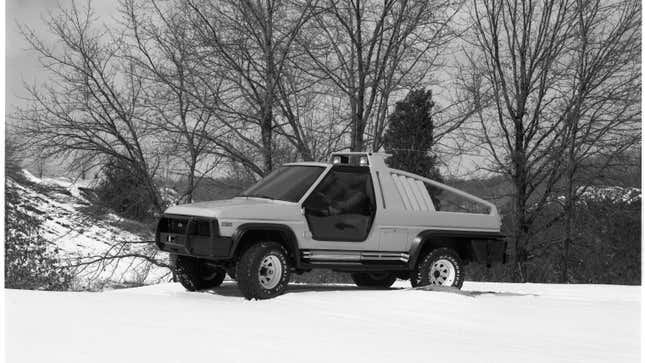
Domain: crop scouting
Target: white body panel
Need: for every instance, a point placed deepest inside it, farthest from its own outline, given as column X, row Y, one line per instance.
column 231, row 213
column 404, row 209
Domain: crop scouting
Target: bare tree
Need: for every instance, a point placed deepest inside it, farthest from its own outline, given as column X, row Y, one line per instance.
column 164, row 57
column 118, row 262
column 367, row 50
column 308, row 118
column 554, row 84
column 249, row 44
column 515, row 68
column 602, row 107
column 90, row 110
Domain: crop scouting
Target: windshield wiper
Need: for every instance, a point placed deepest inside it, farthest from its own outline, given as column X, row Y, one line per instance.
column 263, row 196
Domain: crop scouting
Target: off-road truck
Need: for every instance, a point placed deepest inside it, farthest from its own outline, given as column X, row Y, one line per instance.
column 353, row 214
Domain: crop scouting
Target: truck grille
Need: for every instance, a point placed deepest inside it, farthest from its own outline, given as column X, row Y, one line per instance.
column 193, row 236
column 200, row 228
column 195, row 227
column 173, row 225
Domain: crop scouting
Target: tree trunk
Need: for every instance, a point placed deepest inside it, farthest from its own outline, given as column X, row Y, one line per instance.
column 521, row 230
column 156, row 200
column 191, row 178
column 267, row 138
column 521, row 201
column 306, row 153
column 357, row 134
column 568, row 230
column 358, row 123
column 569, row 206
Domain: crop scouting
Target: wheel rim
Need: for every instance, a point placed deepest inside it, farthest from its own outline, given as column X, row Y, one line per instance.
column 270, row 272
column 442, row 273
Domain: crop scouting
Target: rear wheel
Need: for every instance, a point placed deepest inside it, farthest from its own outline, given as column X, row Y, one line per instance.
column 195, row 274
column 373, row 279
column 263, row 271
column 442, row 267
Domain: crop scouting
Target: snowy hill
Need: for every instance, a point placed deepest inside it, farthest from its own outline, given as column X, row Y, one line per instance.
column 488, row 322
column 88, row 236
column 613, row 194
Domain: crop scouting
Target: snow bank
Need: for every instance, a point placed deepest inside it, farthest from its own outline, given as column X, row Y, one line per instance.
column 84, row 235
column 489, row 322
column 73, row 186
column 614, row 194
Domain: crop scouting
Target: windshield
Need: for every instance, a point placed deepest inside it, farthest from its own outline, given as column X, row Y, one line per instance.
column 285, row 183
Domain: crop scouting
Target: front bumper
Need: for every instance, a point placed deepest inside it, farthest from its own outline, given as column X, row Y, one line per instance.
column 192, row 236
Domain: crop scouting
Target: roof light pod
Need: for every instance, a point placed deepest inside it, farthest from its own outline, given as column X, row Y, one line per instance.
column 363, row 161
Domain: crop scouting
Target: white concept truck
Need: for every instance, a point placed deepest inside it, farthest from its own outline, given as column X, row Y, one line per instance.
column 353, row 214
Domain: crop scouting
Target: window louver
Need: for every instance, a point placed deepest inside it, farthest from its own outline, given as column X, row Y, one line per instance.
column 413, row 193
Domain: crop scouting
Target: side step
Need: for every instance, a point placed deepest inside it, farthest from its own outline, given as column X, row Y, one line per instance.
column 323, row 256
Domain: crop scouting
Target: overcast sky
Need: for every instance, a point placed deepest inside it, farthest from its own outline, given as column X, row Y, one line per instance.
column 22, row 64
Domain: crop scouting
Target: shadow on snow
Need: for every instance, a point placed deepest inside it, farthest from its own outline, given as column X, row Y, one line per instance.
column 230, row 289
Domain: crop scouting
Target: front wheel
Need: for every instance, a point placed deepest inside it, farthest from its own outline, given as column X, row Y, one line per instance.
column 442, row 267
column 373, row 279
column 195, row 274
column 263, row 271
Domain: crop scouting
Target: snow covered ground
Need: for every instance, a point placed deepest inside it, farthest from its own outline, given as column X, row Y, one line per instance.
column 486, row 322
column 84, row 236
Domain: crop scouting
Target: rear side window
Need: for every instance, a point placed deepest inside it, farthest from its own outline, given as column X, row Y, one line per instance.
column 417, row 195
column 447, row 201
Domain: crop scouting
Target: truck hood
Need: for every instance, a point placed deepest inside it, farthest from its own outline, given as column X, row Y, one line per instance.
column 237, row 208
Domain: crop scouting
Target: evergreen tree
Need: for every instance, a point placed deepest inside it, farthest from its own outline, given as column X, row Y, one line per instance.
column 409, row 137
column 124, row 191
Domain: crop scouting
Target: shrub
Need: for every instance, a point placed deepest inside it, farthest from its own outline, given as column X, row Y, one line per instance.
column 29, row 263
column 606, row 246
column 122, row 190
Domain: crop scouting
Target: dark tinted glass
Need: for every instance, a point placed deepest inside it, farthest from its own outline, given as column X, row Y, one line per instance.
column 199, row 228
column 342, row 206
column 447, row 201
column 172, row 225
column 285, row 183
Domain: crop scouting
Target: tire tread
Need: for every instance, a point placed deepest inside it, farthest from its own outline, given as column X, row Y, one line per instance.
column 416, row 279
column 245, row 271
column 187, row 271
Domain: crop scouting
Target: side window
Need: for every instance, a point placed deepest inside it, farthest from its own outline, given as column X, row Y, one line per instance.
column 342, row 206
column 417, row 195
column 447, row 201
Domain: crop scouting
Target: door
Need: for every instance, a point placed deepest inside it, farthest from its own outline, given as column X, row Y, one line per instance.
column 342, row 206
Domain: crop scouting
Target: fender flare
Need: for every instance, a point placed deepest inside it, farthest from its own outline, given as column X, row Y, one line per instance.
column 429, row 235
column 289, row 237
